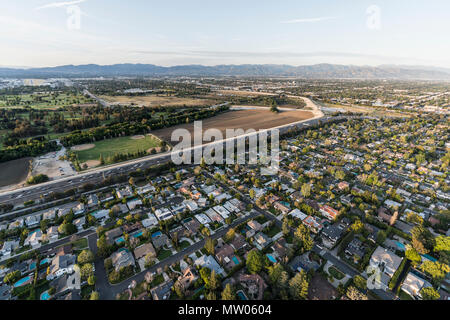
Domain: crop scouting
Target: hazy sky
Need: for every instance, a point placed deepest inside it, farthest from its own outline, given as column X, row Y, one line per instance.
column 172, row 32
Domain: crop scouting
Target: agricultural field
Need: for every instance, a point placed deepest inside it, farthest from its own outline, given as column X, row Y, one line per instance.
column 14, row 172
column 373, row 111
column 242, row 119
column 158, row 100
column 44, row 101
column 90, row 154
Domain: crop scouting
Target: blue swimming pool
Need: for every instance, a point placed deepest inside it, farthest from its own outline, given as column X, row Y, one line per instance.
column 45, row 295
column 138, row 234
column 400, row 246
column 32, row 266
column 44, row 261
column 271, row 258
column 156, row 234
column 235, row 260
column 120, row 240
column 22, row 281
column 241, row 295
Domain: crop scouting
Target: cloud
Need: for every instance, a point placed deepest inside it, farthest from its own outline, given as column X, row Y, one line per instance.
column 60, row 4
column 309, row 20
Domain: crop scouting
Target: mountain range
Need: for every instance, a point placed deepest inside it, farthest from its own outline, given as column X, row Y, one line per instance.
column 318, row 71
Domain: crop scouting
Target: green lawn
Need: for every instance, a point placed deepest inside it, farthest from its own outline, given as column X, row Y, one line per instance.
column 184, row 244
column 109, row 147
column 336, row 273
column 164, row 254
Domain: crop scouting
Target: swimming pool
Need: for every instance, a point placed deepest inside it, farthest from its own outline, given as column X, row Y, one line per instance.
column 120, row 240
column 271, row 258
column 22, row 282
column 400, row 246
column 45, row 295
column 235, row 260
column 138, row 234
column 32, row 266
column 156, row 234
column 241, row 295
column 44, row 261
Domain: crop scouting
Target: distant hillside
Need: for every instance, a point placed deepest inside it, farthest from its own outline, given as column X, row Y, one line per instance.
column 318, row 71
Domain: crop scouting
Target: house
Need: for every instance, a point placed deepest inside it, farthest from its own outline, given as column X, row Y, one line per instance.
column 210, row 263
column 49, row 215
column 111, row 235
column 384, row 215
column 203, row 218
column 34, row 238
column 331, row 234
column 343, row 185
column 178, row 232
column 192, row 225
column 262, row 240
column 191, row 205
column 280, row 249
column 16, row 224
column 79, row 223
column 356, row 250
column 162, row 291
column 124, row 192
column 52, row 233
column 61, row 264
column 92, row 201
column 213, row 215
column 132, row 204
column 33, row 221
column 413, row 284
column 222, row 211
column 160, row 239
column 225, row 255
column 144, row 250
column 296, row 213
column 255, row 225
column 254, row 284
column 122, row 258
column 238, row 242
column 329, row 213
column 9, row 247
column 313, row 224
column 100, row 214
column 387, row 261
column 188, row 277
column 163, row 214
column 282, row 207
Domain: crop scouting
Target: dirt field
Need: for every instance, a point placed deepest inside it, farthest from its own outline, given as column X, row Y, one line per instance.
column 83, row 147
column 242, row 119
column 321, row 289
column 14, row 172
column 153, row 101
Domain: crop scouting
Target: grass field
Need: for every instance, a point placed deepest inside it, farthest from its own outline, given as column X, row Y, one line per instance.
column 50, row 101
column 13, row 172
column 156, row 100
column 110, row 147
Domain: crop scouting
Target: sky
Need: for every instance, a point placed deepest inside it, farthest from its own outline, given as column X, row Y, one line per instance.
column 39, row 33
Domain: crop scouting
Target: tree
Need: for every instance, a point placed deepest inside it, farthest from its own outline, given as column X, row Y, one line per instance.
column 303, row 236
column 413, row 256
column 436, row 270
column 86, row 271
column 357, row 226
column 422, row 239
column 429, row 293
column 306, row 190
column 94, row 296
column 230, row 234
column 86, row 256
column 254, row 261
column 12, row 277
column 442, row 244
column 355, row 294
column 285, row 227
column 91, row 280
column 213, row 281
column 360, row 282
column 228, row 293
column 298, row 286
column 209, row 245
